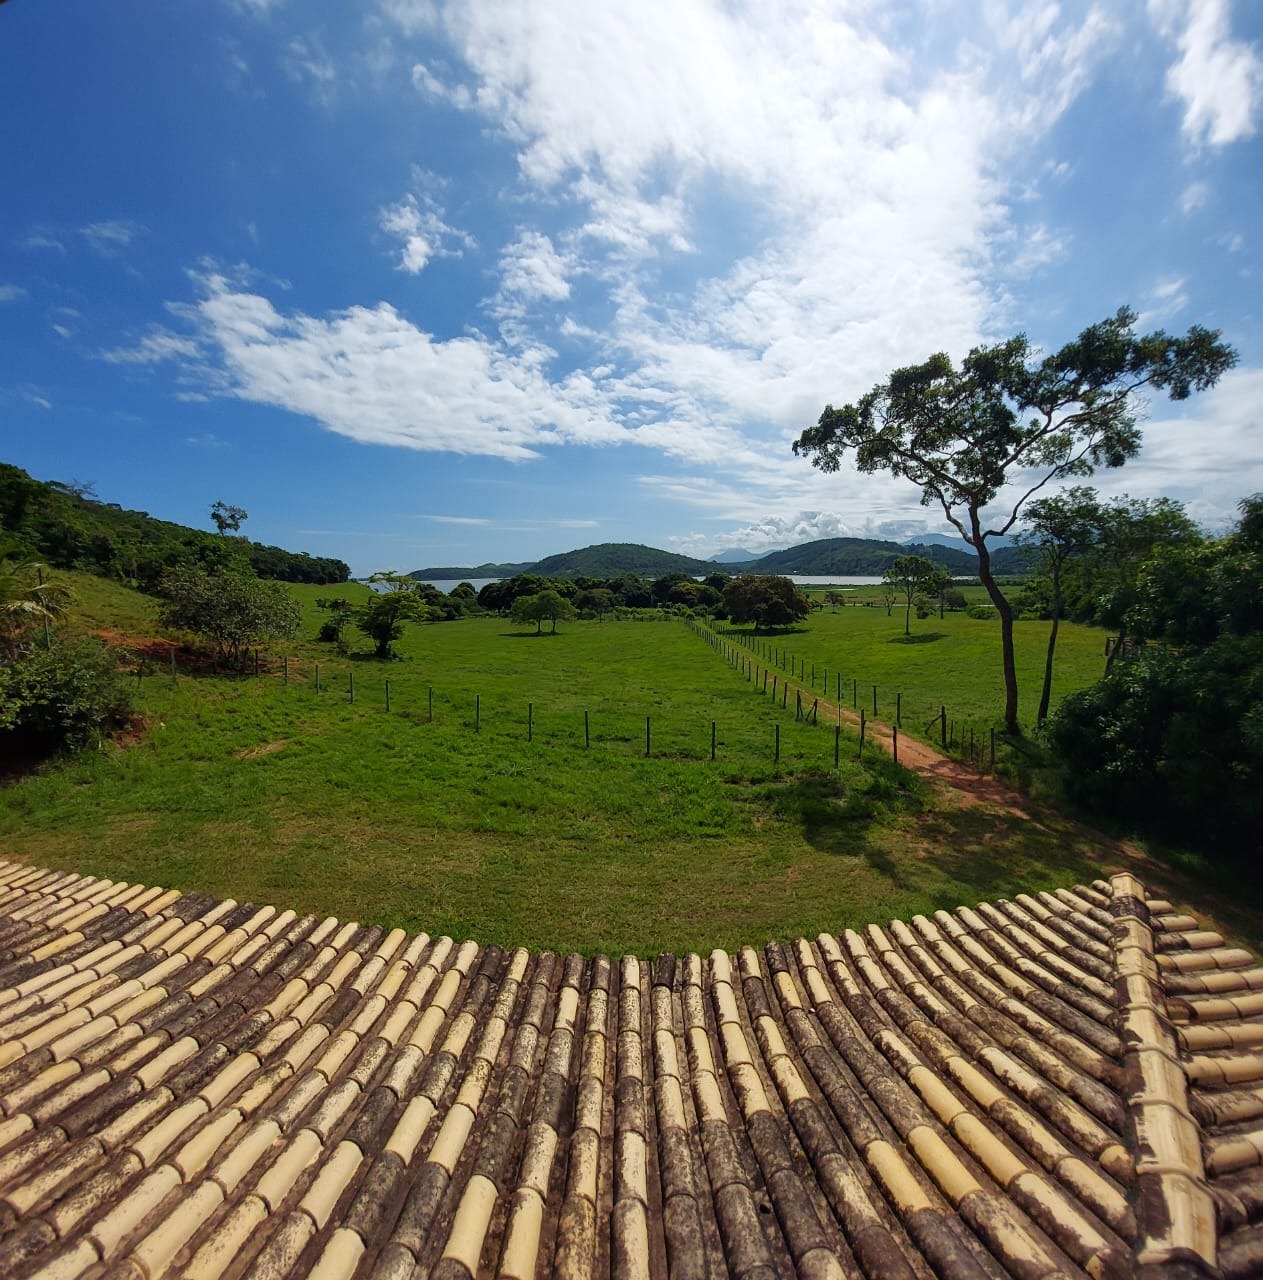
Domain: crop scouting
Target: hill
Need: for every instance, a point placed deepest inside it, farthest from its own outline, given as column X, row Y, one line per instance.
column 67, row 527
column 855, row 556
column 456, row 573
column 610, row 559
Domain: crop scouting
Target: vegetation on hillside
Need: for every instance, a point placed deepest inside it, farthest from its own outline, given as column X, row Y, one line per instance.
column 66, row 526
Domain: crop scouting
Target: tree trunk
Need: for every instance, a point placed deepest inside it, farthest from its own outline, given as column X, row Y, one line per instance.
column 1116, row 650
column 907, row 618
column 1005, row 610
column 1046, row 694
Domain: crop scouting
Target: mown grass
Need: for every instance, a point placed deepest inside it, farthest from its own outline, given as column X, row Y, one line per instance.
column 270, row 791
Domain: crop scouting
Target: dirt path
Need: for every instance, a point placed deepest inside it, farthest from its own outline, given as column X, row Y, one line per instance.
column 1216, row 909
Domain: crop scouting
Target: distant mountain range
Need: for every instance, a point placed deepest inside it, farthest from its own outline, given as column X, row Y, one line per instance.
column 845, row 557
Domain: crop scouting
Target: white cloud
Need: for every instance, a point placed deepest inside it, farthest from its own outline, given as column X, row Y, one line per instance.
column 11, row 292
column 1217, row 78
column 1194, row 197
column 110, row 236
column 370, row 374
column 306, row 62
column 154, row 347
column 478, row 520
column 43, row 240
column 1203, row 451
column 418, row 223
column 531, row 269
column 1165, row 300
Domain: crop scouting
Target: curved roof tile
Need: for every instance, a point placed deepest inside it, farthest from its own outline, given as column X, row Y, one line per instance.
column 1069, row 1083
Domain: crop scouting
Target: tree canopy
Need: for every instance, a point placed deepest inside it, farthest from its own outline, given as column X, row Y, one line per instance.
column 543, row 606
column 1005, row 418
column 1172, row 737
column 382, row 616
column 764, row 599
column 232, row 608
column 913, row 576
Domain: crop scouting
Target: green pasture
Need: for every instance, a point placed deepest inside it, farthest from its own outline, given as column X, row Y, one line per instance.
column 264, row 789
column 951, row 662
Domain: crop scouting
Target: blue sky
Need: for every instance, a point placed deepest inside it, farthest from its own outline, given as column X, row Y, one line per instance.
column 426, row 283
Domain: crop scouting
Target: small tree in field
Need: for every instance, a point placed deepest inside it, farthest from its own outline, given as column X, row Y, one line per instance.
column 232, row 608
column 381, row 617
column 962, row 435
column 544, row 605
column 912, row 577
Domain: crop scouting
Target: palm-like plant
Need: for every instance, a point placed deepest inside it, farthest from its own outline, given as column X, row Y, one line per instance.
column 26, row 599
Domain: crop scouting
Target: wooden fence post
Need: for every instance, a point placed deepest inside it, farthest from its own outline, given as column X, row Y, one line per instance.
column 317, row 677
column 894, row 743
column 712, row 739
column 431, row 701
column 837, row 744
column 477, row 712
column 530, row 721
column 942, row 711
column 587, row 737
column 863, row 725
column 646, row 737
column 387, row 695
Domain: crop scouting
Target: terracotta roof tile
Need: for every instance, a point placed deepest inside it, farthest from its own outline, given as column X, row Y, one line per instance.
column 1065, row 1083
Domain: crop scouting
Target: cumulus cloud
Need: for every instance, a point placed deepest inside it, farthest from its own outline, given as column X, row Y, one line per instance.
column 370, row 374
column 531, row 268
column 1218, row 79
column 417, row 222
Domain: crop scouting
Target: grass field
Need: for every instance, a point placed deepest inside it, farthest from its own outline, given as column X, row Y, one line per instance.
column 270, row 791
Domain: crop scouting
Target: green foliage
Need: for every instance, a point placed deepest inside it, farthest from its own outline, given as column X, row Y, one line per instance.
column 228, row 518
column 980, row 613
column 27, row 601
column 1173, row 736
column 340, row 611
column 68, row 528
column 916, row 579
column 229, row 607
column 764, row 599
column 383, row 615
column 960, row 435
column 544, row 606
column 60, row 699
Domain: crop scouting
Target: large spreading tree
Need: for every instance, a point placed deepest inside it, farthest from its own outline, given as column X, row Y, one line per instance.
column 1006, row 423
column 910, row 577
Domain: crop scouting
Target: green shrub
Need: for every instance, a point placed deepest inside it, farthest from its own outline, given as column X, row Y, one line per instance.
column 60, row 699
column 980, row 612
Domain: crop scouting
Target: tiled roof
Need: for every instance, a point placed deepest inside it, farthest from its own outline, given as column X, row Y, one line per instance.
column 1067, row 1083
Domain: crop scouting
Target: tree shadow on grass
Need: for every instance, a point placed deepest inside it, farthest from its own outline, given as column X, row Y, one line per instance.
column 835, row 820
column 530, row 635
column 998, row 855
column 920, row 637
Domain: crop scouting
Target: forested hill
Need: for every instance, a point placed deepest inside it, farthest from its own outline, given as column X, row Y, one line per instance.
column 609, row 559
column 849, row 556
column 855, row 556
column 68, row 528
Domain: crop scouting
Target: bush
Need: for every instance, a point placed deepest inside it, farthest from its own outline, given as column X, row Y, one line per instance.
column 980, row 612
column 231, row 608
column 60, row 699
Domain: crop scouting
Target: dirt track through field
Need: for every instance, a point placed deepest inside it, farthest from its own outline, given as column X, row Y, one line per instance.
column 973, row 786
